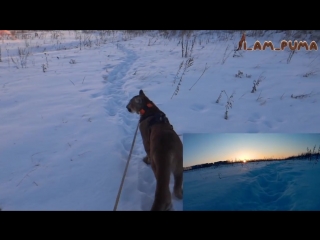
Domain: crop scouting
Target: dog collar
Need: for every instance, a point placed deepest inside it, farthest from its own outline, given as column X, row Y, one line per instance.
column 143, row 111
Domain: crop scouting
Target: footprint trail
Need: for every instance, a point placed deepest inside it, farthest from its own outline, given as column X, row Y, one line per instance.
column 139, row 185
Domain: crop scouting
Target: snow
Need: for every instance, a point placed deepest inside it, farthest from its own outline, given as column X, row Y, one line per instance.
column 288, row 185
column 66, row 134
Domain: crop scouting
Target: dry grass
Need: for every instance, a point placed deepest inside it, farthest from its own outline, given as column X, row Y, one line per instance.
column 187, row 65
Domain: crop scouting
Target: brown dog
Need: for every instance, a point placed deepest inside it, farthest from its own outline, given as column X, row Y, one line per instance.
column 163, row 147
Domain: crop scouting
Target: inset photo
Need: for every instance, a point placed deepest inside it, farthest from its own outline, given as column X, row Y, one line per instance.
column 251, row 172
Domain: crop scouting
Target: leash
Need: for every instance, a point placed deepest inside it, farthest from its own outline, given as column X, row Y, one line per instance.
column 125, row 170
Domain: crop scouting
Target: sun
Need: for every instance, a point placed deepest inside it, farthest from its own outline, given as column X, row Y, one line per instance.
column 244, row 156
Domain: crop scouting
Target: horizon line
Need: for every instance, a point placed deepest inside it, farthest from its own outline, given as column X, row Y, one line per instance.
column 260, row 159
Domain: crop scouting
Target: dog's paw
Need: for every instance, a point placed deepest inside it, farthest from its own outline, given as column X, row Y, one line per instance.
column 146, row 160
column 163, row 207
column 169, row 207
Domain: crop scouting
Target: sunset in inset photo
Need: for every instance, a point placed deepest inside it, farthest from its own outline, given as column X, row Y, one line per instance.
column 233, row 147
column 246, row 171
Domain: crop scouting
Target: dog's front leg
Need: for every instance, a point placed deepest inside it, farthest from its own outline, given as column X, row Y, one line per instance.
column 146, row 159
column 145, row 134
column 146, row 144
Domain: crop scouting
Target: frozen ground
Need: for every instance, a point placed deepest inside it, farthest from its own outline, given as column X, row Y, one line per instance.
column 279, row 185
column 66, row 134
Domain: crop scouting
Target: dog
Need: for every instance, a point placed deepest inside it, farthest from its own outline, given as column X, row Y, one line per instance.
column 163, row 148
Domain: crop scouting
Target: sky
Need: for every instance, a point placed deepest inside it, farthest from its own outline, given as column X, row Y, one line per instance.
column 204, row 148
column 68, row 133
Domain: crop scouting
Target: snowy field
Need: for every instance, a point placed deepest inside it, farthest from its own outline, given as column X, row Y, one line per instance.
column 291, row 185
column 66, row 133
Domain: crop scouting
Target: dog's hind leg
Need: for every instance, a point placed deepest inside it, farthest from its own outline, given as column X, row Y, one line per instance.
column 162, row 198
column 178, row 181
column 177, row 170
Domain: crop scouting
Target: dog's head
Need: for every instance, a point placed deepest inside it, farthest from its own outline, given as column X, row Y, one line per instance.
column 137, row 102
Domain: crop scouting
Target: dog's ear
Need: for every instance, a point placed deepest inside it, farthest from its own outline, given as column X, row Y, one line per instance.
column 141, row 93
